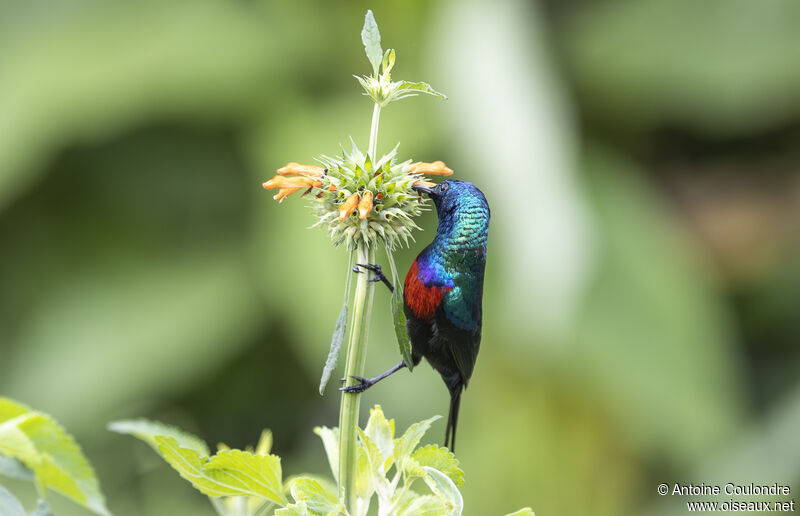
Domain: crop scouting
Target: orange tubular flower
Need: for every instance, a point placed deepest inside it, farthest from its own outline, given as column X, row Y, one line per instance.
column 348, row 206
column 425, row 183
column 301, row 170
column 365, row 206
column 291, row 182
column 285, row 192
column 437, row 168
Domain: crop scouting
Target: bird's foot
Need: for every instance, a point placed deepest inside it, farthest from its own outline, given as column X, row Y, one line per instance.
column 377, row 271
column 362, row 385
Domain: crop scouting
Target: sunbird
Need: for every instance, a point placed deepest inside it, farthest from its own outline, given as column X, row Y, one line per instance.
column 443, row 292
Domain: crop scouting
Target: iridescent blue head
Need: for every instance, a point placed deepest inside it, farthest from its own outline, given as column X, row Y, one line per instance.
column 462, row 209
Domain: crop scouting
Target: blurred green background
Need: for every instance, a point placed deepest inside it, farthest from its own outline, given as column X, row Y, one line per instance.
column 642, row 303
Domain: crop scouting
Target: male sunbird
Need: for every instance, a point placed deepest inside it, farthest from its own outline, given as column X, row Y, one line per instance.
column 443, row 292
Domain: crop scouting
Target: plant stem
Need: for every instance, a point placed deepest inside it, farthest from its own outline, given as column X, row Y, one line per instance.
column 356, row 358
column 373, row 133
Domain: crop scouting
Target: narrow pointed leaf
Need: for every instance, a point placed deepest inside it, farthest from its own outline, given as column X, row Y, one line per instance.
column 399, row 320
column 399, row 315
column 371, row 37
column 336, row 345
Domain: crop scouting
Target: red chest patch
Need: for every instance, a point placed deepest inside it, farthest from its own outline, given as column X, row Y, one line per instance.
column 422, row 300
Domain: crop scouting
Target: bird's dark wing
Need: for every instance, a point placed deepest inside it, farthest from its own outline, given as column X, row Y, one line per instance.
column 460, row 323
column 462, row 346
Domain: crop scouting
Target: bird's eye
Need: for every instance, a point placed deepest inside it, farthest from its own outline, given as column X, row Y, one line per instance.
column 443, row 187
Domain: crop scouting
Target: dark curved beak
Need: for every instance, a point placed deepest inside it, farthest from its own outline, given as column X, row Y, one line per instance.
column 423, row 188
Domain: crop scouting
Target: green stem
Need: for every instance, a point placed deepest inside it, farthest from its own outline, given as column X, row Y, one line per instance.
column 373, row 133
column 356, row 358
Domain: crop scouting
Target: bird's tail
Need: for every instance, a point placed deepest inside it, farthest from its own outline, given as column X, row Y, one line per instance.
column 452, row 420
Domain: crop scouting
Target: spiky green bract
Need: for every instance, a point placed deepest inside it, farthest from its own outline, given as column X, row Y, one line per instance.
column 395, row 204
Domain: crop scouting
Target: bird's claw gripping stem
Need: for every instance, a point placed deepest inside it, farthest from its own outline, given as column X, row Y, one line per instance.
column 376, row 269
column 360, row 387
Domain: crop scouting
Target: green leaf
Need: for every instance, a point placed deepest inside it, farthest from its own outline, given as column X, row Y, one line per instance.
column 399, row 320
column 336, row 345
column 371, row 37
column 228, row 473
column 375, row 458
column 264, row 445
column 9, row 505
column 53, row 455
column 388, row 61
column 42, row 509
column 147, row 431
column 13, row 468
column 441, row 485
column 442, row 460
column 330, row 440
column 294, row 509
column 10, row 409
column 398, row 313
column 421, row 505
column 409, row 89
column 381, row 432
column 318, row 497
column 527, row 511
column 15, row 443
column 404, row 446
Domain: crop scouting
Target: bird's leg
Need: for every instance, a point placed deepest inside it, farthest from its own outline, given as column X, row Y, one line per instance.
column 379, row 276
column 365, row 383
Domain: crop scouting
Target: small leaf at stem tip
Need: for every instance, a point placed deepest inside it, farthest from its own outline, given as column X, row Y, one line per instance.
column 399, row 319
column 371, row 37
column 408, row 88
column 336, row 345
column 527, row 511
column 388, row 60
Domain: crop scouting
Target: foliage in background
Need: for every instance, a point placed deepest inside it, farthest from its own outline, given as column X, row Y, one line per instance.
column 34, row 447
column 136, row 248
column 250, row 482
